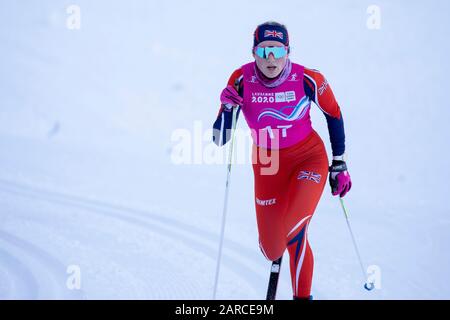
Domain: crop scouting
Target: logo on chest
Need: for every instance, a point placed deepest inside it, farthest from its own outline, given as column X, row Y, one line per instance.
column 273, row 97
column 292, row 113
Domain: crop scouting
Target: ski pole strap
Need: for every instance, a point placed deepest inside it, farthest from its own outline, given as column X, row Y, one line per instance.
column 338, row 166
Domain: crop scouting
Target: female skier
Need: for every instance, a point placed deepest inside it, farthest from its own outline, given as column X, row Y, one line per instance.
column 274, row 95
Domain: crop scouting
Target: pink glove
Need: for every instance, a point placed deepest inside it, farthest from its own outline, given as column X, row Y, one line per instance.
column 230, row 97
column 340, row 180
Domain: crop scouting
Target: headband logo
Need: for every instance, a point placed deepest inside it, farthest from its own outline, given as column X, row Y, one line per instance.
column 273, row 33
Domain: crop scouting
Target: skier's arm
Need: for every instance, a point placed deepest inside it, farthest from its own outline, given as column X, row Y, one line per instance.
column 318, row 90
column 222, row 125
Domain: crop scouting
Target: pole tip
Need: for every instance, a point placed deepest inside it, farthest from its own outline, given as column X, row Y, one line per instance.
column 369, row 286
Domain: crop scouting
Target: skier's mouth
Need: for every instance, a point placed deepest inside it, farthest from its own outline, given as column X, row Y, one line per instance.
column 271, row 68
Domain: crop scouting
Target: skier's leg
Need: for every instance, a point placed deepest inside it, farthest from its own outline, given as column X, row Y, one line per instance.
column 270, row 205
column 306, row 189
column 301, row 261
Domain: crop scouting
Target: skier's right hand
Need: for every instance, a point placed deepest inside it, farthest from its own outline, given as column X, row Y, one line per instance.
column 230, row 98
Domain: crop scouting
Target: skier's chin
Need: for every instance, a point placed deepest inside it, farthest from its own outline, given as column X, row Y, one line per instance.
column 271, row 72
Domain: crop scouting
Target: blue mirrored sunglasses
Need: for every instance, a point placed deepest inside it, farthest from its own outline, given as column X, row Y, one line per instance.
column 278, row 52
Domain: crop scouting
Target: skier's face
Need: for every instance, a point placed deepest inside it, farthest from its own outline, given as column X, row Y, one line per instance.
column 270, row 66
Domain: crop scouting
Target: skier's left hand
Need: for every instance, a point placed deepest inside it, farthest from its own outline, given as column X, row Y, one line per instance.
column 340, row 180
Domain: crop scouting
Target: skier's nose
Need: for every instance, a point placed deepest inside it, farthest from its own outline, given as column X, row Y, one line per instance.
column 271, row 57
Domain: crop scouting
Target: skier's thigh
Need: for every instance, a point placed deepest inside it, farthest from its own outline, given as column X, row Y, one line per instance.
column 305, row 191
column 271, row 231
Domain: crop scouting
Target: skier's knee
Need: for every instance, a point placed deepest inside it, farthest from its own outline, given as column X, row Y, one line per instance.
column 271, row 254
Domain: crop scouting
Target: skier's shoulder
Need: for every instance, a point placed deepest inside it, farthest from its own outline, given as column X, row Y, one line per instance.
column 236, row 76
column 235, row 80
column 313, row 74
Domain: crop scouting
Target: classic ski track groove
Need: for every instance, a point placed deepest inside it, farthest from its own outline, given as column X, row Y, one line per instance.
column 236, row 256
column 55, row 271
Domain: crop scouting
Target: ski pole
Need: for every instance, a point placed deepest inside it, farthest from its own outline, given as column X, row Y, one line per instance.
column 227, row 187
column 367, row 286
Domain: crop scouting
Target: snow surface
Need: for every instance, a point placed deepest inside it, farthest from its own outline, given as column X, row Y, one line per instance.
column 87, row 174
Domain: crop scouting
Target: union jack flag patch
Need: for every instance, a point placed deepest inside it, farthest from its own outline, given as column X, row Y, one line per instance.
column 273, row 33
column 309, row 175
